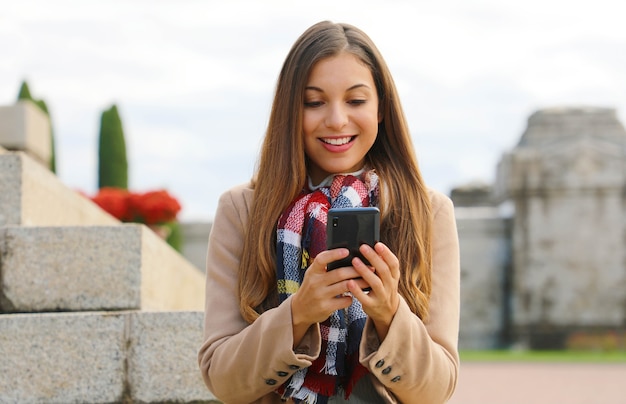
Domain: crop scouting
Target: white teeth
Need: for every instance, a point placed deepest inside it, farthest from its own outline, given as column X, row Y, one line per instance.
column 337, row 141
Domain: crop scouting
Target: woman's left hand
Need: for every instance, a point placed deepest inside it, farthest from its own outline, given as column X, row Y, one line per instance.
column 383, row 274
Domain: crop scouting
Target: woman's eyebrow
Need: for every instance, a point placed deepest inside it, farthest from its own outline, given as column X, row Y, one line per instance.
column 314, row 89
column 354, row 87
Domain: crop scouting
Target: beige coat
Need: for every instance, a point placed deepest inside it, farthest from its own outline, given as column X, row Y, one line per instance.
column 241, row 363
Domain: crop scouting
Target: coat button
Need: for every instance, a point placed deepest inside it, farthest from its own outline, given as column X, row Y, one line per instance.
column 395, row 379
column 281, row 373
column 380, row 363
column 270, row 382
column 387, row 370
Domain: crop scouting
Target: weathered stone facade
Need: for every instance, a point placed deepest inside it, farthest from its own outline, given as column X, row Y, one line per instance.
column 566, row 180
column 484, row 241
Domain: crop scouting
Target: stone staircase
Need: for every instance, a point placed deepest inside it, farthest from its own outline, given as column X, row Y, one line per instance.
column 91, row 310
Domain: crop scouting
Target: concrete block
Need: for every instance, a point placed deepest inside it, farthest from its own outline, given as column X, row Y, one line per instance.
column 163, row 357
column 62, row 358
column 25, row 127
column 168, row 280
column 32, row 195
column 94, row 268
column 70, row 268
column 10, row 189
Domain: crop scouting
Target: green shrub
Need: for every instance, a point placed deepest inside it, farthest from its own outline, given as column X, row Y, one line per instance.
column 175, row 238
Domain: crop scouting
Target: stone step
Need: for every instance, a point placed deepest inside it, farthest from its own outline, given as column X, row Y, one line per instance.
column 83, row 268
column 101, row 357
column 31, row 195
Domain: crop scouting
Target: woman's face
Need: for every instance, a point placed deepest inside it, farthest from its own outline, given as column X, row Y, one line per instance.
column 340, row 121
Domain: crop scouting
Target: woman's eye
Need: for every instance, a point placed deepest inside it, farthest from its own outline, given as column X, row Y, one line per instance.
column 357, row 102
column 312, row 104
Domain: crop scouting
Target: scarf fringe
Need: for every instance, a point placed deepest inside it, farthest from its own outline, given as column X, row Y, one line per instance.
column 306, row 396
column 329, row 367
column 295, row 382
column 325, row 385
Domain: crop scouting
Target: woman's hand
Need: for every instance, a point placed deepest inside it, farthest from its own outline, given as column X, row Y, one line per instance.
column 322, row 292
column 381, row 302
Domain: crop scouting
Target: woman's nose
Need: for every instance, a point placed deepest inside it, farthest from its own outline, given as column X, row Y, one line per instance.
column 337, row 117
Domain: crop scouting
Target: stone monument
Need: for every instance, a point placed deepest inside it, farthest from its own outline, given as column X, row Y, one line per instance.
column 567, row 182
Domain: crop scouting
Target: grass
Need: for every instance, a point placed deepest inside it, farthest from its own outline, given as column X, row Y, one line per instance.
column 544, row 356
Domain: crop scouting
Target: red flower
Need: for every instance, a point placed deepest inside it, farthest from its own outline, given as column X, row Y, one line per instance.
column 114, row 201
column 153, row 207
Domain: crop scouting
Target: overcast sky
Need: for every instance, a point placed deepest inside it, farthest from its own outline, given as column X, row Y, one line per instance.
column 193, row 80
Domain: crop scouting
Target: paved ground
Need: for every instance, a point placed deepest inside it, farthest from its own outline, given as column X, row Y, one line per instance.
column 540, row 383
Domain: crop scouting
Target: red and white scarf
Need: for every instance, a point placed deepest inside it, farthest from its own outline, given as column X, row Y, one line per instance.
column 301, row 235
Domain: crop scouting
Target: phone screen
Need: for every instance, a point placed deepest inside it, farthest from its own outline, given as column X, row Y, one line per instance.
column 349, row 228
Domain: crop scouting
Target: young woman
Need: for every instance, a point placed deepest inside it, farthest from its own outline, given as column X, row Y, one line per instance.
column 279, row 327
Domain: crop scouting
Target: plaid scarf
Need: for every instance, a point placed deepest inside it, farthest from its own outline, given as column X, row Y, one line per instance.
column 301, row 235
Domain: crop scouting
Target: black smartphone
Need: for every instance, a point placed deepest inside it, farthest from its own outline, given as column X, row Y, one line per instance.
column 349, row 228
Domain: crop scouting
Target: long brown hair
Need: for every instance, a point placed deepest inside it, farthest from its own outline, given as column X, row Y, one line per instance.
column 282, row 172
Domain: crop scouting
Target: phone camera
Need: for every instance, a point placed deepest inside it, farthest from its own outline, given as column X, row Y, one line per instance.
column 335, row 221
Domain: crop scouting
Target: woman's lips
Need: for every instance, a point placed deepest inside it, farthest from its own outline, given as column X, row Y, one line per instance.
column 337, row 144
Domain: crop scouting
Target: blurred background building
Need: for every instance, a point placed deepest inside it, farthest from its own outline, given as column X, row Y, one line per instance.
column 542, row 250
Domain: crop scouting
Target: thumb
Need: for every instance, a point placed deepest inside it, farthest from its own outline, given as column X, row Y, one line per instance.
column 326, row 257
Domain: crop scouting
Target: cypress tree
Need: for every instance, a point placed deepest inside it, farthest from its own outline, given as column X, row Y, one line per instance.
column 112, row 162
column 24, row 94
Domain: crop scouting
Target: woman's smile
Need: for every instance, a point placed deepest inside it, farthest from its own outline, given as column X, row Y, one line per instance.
column 338, row 144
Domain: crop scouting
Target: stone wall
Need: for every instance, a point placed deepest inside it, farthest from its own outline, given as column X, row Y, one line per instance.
column 196, row 242
column 566, row 178
column 484, row 241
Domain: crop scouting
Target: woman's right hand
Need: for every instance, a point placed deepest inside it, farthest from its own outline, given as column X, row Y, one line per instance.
column 321, row 292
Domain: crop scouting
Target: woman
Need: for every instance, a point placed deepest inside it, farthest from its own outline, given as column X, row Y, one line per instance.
column 279, row 326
